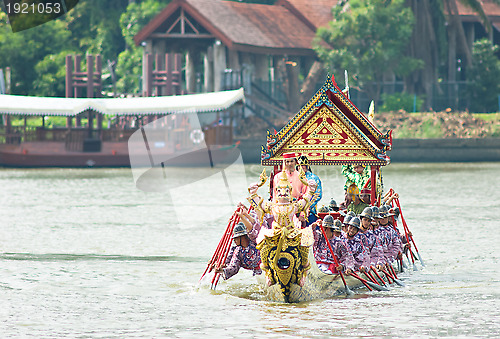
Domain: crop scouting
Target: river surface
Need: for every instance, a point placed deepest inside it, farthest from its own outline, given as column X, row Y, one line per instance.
column 85, row 254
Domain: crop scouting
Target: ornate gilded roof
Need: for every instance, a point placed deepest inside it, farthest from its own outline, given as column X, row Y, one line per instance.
column 329, row 130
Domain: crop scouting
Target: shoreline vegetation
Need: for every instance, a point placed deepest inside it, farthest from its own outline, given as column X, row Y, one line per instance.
column 425, row 125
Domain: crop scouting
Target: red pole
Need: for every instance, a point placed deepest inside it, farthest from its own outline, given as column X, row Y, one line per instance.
column 333, row 255
column 219, row 246
column 373, row 177
column 362, row 280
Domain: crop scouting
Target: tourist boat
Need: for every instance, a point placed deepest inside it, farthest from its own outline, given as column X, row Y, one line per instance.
column 182, row 122
column 329, row 130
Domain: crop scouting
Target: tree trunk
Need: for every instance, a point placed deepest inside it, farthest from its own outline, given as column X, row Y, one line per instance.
column 424, row 46
column 460, row 33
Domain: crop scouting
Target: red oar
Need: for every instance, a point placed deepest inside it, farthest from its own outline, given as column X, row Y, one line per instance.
column 226, row 246
column 406, row 227
column 347, row 290
column 221, row 259
column 367, row 283
column 227, row 233
column 368, row 274
column 388, row 275
column 378, row 276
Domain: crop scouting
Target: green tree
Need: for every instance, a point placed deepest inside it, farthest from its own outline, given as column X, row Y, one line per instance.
column 50, row 78
column 23, row 50
column 369, row 39
column 439, row 39
column 95, row 25
column 129, row 65
column 484, row 77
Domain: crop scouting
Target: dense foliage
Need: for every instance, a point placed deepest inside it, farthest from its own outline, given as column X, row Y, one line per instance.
column 484, row 75
column 369, row 39
column 36, row 56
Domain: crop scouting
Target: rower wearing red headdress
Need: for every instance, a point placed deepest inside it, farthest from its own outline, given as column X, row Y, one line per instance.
column 289, row 169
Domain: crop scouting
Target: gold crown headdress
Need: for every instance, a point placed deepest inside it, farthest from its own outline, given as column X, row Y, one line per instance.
column 283, row 182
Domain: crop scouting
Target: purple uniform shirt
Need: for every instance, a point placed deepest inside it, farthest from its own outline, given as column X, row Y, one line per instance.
column 241, row 257
column 322, row 252
column 360, row 255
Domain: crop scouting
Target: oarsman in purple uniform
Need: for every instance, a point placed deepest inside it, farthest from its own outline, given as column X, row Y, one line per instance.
column 380, row 234
column 322, row 253
column 345, row 224
column 354, row 244
column 394, row 212
column 393, row 242
column 243, row 254
column 370, row 241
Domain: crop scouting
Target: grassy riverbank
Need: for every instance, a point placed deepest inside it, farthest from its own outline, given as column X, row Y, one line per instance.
column 438, row 125
column 428, row 125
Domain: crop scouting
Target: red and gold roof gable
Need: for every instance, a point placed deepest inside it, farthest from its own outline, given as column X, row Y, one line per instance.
column 329, row 130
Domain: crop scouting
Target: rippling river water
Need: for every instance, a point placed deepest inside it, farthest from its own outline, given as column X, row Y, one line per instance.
column 84, row 254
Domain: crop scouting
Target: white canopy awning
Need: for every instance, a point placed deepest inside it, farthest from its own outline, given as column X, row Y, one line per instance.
column 179, row 104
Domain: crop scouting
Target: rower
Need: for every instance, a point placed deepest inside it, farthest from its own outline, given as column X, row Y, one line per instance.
column 393, row 240
column 243, row 254
column 345, row 224
column 321, row 251
column 357, row 205
column 354, row 244
column 370, row 241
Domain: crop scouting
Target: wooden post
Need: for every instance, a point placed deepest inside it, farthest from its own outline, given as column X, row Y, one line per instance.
column 76, row 90
column 78, row 69
column 373, row 181
column 190, row 72
column 208, row 65
column 177, row 72
column 158, row 91
column 90, row 76
column 69, row 84
column 219, row 65
column 169, row 60
column 7, row 80
column 98, row 71
column 7, row 128
column 148, row 76
column 69, row 76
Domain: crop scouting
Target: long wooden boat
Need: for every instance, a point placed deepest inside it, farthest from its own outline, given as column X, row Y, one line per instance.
column 85, row 142
column 329, row 130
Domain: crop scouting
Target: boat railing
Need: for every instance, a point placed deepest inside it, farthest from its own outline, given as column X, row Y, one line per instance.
column 18, row 134
column 73, row 138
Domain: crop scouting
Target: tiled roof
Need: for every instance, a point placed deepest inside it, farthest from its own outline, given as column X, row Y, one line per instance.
column 318, row 12
column 242, row 25
column 489, row 7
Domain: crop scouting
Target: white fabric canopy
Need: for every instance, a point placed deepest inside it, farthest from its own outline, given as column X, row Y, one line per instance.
column 179, row 104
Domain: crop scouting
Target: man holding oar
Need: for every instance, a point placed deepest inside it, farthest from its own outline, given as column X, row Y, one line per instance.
column 355, row 246
column 322, row 254
column 244, row 253
column 369, row 240
column 393, row 241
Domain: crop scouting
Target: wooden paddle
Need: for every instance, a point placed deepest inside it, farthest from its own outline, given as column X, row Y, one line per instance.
column 347, row 290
